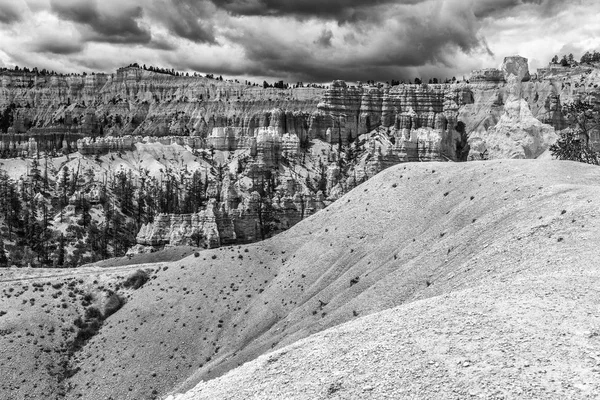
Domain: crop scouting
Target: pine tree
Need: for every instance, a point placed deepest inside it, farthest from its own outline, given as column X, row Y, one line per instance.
column 35, row 175
column 3, row 258
column 60, row 259
column 574, row 143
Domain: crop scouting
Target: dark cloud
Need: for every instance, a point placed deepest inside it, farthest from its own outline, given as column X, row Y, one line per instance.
column 307, row 40
column 57, row 46
column 120, row 26
column 159, row 43
column 341, row 10
column 486, row 8
column 9, row 14
column 324, row 39
column 356, row 10
column 389, row 39
column 188, row 19
column 408, row 37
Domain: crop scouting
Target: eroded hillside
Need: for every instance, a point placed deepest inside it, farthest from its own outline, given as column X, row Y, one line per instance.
column 417, row 236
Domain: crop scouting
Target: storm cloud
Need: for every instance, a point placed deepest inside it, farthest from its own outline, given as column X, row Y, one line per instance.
column 112, row 25
column 339, row 10
column 9, row 13
column 294, row 40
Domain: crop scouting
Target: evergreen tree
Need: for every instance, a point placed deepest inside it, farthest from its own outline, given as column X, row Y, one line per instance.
column 3, row 258
column 35, row 175
column 60, row 258
column 574, row 144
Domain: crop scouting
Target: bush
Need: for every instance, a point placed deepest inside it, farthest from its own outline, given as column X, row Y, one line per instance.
column 93, row 313
column 574, row 143
column 136, row 280
column 571, row 146
column 113, row 304
column 88, row 328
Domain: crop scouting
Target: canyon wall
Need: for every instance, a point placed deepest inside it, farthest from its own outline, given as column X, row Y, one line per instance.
column 60, row 111
column 223, row 115
column 263, row 170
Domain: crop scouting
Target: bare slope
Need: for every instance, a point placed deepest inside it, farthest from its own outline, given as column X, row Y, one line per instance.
column 510, row 308
column 413, row 232
column 440, row 239
column 535, row 337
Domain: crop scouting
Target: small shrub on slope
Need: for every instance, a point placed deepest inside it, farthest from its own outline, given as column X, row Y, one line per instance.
column 136, row 280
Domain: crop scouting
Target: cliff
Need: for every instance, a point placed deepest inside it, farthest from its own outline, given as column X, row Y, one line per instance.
column 323, row 142
column 57, row 111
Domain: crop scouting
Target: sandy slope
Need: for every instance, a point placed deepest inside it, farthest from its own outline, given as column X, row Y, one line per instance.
column 468, row 253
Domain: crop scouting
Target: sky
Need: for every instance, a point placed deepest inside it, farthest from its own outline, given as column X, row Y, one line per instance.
column 295, row 40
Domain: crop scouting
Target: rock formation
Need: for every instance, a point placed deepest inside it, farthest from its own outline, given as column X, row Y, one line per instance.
column 58, row 110
column 199, row 229
column 518, row 134
column 226, row 115
column 422, row 117
column 232, row 221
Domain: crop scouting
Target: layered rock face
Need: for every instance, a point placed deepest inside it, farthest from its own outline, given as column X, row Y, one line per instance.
column 139, row 102
column 199, row 229
column 223, row 115
column 233, row 220
column 57, row 111
column 518, row 134
column 421, row 118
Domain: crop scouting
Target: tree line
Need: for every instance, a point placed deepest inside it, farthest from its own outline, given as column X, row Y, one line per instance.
column 569, row 60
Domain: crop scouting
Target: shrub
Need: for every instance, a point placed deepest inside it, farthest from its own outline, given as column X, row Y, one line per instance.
column 574, row 143
column 114, row 302
column 93, row 313
column 136, row 280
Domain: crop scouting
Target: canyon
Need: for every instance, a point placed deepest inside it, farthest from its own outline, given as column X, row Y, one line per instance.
column 268, row 157
column 220, row 233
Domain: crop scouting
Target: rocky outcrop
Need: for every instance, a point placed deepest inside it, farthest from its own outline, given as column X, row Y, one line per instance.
column 230, row 221
column 104, row 145
column 487, row 75
column 518, row 134
column 199, row 229
column 18, row 146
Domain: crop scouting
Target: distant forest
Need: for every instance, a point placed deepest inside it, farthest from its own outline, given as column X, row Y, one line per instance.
column 568, row 60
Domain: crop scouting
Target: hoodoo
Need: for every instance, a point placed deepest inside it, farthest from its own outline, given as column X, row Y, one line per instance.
column 518, row 134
